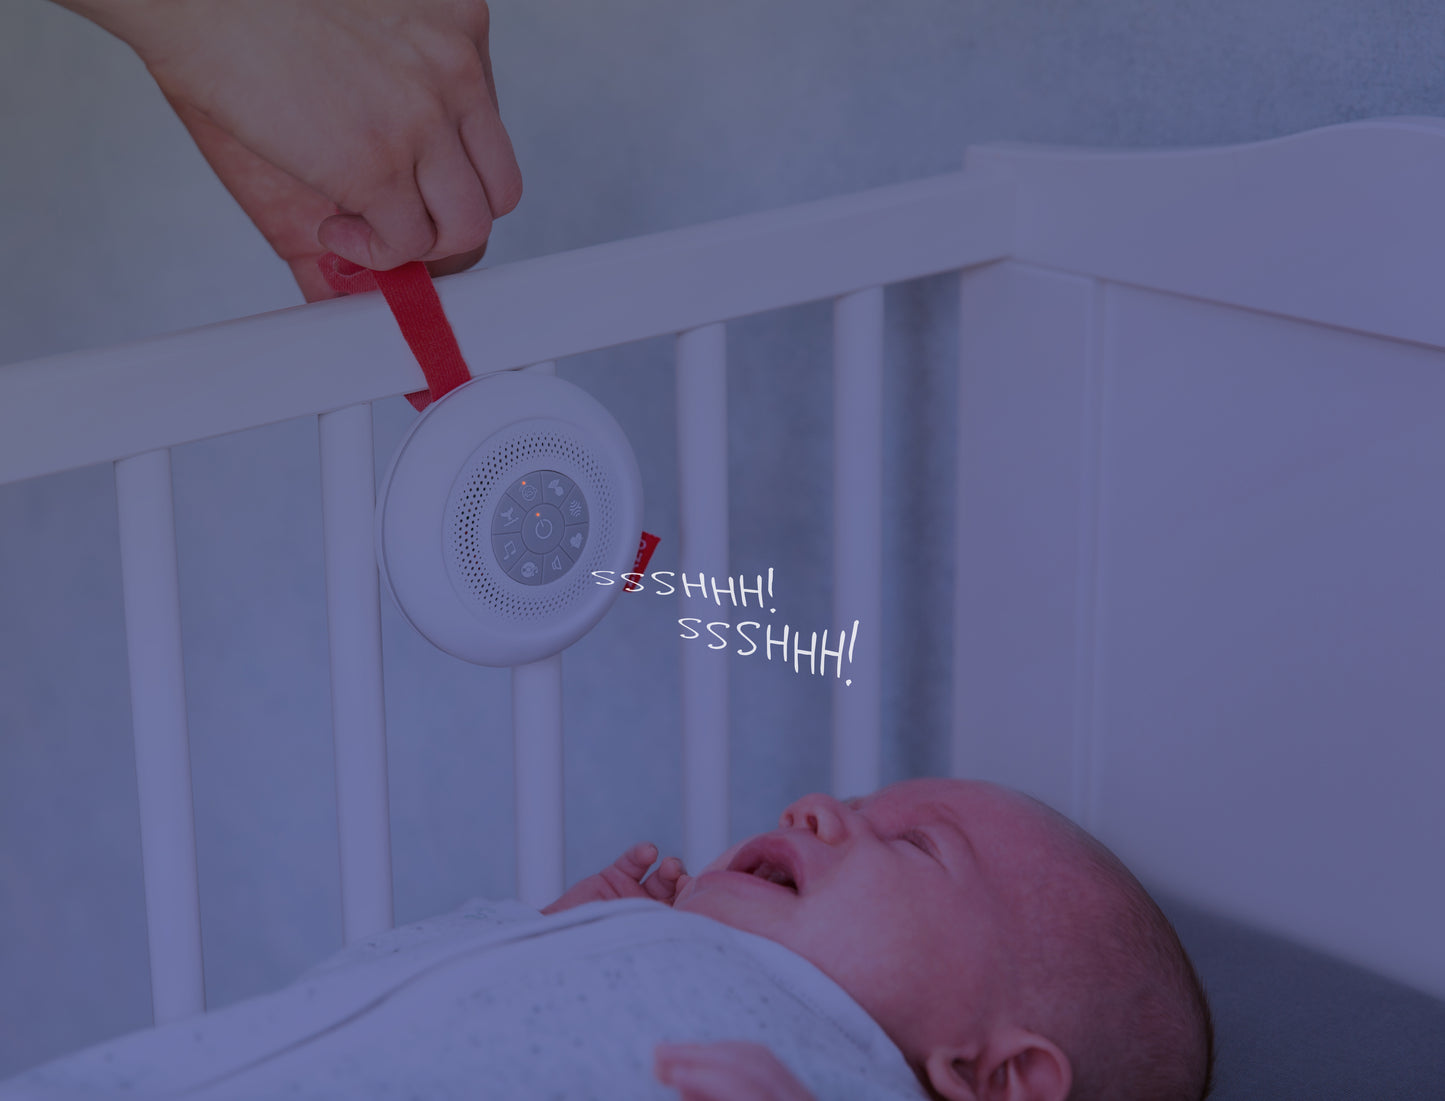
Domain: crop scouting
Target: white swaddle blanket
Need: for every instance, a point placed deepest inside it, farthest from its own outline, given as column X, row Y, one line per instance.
column 498, row 1001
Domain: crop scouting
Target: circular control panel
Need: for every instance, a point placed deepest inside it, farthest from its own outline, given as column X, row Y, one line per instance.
column 539, row 527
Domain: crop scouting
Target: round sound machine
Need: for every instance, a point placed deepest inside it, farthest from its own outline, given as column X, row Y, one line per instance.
column 502, row 499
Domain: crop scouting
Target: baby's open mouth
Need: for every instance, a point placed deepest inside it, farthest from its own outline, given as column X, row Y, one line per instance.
column 766, row 862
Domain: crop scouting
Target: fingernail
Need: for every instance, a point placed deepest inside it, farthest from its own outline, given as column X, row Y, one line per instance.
column 347, row 236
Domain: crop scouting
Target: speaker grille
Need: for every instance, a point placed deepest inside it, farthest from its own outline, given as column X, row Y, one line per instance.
column 478, row 491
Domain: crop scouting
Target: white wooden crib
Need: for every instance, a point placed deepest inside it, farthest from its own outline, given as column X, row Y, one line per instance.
column 1201, row 434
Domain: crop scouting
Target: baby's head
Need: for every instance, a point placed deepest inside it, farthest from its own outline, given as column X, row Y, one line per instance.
column 1006, row 952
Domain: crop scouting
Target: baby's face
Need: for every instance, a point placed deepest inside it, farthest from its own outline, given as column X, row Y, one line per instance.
column 900, row 897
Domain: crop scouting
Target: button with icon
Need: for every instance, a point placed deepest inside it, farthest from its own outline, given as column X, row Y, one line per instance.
column 509, row 549
column 554, row 565
column 542, row 528
column 508, row 516
column 527, row 490
column 555, row 487
column 574, row 538
column 528, row 571
column 574, row 508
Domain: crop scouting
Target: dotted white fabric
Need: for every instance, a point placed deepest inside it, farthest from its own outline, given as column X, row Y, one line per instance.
column 497, row 1001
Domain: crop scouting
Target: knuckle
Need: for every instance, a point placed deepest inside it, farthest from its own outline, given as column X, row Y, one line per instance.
column 460, row 67
column 362, row 183
column 450, row 70
column 402, row 246
column 421, row 246
column 509, row 192
column 477, row 234
column 479, row 17
column 464, row 240
column 380, row 165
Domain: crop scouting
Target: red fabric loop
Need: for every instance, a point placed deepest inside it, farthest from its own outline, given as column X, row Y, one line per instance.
column 646, row 545
column 414, row 303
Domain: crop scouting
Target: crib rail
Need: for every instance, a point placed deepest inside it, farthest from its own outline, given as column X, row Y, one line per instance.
column 70, row 410
column 131, row 404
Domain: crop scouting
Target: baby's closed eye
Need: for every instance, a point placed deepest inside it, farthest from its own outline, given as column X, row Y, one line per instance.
column 920, row 840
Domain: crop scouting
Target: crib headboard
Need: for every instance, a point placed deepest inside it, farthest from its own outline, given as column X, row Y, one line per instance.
column 1201, row 402
column 1202, row 441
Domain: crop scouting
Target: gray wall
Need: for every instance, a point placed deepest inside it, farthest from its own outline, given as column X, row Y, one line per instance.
column 627, row 118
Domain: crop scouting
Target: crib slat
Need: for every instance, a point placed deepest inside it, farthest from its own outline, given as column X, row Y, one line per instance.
column 158, row 714
column 358, row 709
column 857, row 539
column 537, row 756
column 537, row 735
column 702, row 464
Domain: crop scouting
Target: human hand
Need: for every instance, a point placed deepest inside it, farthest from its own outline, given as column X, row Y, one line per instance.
column 732, row 1070
column 623, row 879
column 368, row 128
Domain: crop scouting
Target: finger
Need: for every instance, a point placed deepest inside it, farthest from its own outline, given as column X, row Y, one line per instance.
column 454, row 199
column 314, row 287
column 346, row 235
column 388, row 232
column 479, row 28
column 635, row 861
column 739, row 1068
column 487, row 71
column 707, row 1084
column 490, row 150
column 453, row 264
column 725, row 1071
column 668, row 1058
column 625, row 874
column 662, row 884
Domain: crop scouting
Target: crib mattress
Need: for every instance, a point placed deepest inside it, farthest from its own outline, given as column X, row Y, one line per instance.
column 1292, row 1024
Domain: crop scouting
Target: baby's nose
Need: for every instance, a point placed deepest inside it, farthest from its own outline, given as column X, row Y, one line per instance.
column 822, row 814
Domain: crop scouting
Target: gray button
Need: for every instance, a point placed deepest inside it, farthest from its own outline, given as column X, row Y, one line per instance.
column 554, row 565
column 508, row 516
column 555, row 487
column 574, row 509
column 527, row 490
column 542, row 529
column 574, row 539
column 528, row 571
column 509, row 549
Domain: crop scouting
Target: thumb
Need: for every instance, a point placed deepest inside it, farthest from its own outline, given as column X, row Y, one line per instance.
column 684, row 881
column 349, row 236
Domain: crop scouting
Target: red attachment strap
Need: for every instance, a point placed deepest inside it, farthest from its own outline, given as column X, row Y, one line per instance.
column 414, row 303
column 645, row 547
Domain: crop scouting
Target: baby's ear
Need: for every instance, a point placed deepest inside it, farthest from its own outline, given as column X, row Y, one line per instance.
column 1016, row 1065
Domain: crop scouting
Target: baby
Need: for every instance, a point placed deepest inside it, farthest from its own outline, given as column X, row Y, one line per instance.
column 1006, row 952
column 944, row 937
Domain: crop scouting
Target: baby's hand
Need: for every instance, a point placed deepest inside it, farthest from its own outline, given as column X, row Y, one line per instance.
column 727, row 1071
column 623, row 879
